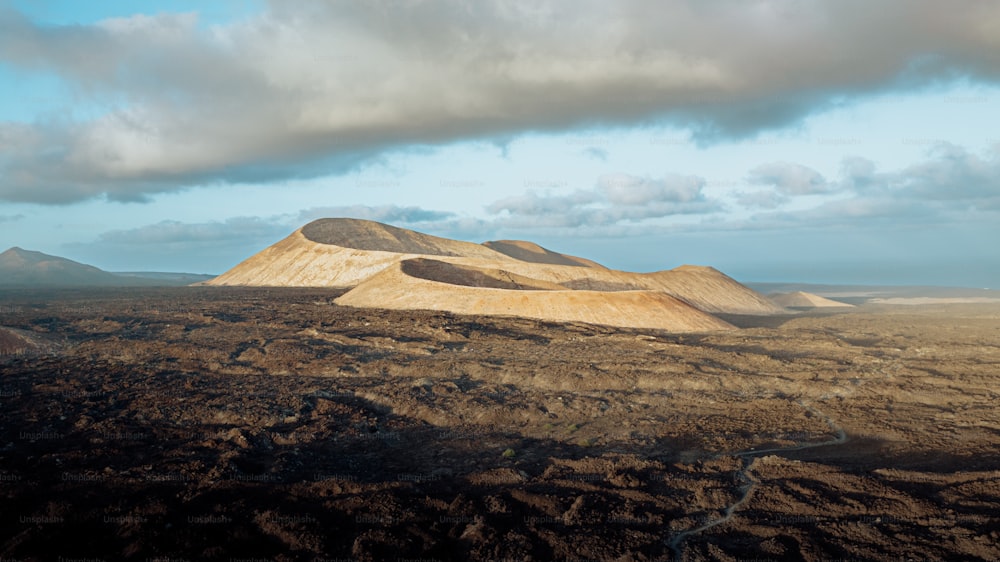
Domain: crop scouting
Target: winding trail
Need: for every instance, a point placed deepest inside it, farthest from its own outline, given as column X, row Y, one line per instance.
column 675, row 543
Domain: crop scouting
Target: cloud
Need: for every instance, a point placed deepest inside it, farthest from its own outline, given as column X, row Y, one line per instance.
column 391, row 214
column 243, row 230
column 311, row 88
column 856, row 213
column 952, row 174
column 180, row 246
column 951, row 186
column 595, row 153
column 763, row 199
column 789, row 178
column 255, row 230
column 11, row 218
column 616, row 199
column 532, row 204
column 238, row 230
column 218, row 245
column 860, row 174
column 624, row 189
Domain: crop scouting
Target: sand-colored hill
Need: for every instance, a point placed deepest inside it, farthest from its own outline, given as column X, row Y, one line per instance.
column 706, row 288
column 711, row 290
column 801, row 299
column 413, row 285
column 348, row 253
column 373, row 236
column 342, row 253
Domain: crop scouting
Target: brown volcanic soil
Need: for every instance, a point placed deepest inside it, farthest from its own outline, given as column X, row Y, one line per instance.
column 223, row 423
column 12, row 343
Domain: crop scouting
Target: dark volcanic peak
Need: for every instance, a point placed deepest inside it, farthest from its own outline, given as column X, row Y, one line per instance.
column 19, row 256
column 533, row 253
column 376, row 237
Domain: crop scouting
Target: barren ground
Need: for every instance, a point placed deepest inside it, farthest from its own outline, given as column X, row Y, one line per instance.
column 226, row 423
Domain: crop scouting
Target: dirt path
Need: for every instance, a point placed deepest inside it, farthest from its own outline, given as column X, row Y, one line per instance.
column 748, row 484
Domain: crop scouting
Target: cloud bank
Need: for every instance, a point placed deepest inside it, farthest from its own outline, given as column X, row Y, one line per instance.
column 311, row 88
column 951, row 185
column 616, row 199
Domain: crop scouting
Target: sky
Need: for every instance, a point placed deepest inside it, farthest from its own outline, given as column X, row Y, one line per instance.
column 841, row 141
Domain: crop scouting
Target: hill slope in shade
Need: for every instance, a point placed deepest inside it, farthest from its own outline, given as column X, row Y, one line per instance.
column 533, row 253
column 802, row 299
column 349, row 253
column 471, row 276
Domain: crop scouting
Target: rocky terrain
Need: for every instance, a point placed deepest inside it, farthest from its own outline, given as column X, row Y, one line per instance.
column 225, row 423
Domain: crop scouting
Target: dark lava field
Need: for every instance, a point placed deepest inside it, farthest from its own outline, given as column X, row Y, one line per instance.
column 209, row 423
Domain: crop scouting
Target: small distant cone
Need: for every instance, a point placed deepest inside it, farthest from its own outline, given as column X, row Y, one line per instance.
column 802, row 299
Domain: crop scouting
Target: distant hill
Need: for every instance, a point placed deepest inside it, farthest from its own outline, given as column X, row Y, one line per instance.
column 26, row 268
column 861, row 294
column 388, row 267
column 166, row 277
